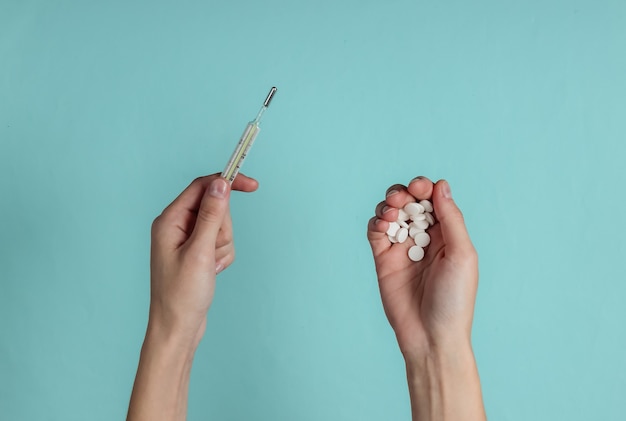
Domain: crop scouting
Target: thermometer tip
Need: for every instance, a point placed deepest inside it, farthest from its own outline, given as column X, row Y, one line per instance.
column 269, row 97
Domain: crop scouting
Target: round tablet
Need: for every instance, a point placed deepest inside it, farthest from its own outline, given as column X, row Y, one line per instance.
column 392, row 239
column 418, row 217
column 421, row 224
column 416, row 253
column 413, row 208
column 429, row 217
column 413, row 231
column 393, row 228
column 402, row 235
column 428, row 207
column 422, row 239
column 402, row 215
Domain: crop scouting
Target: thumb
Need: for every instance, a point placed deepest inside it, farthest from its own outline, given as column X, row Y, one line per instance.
column 211, row 214
column 453, row 230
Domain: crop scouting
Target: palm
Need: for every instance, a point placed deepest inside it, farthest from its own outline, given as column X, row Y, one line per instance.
column 408, row 289
column 424, row 300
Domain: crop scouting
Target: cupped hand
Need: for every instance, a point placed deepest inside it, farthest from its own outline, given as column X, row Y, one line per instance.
column 192, row 241
column 430, row 303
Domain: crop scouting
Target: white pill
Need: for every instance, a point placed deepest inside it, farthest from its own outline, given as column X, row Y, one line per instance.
column 413, row 208
column 402, row 235
column 422, row 239
column 429, row 217
column 418, row 217
column 393, row 229
column 416, row 253
column 414, row 225
column 402, row 223
column 402, row 215
column 392, row 239
column 428, row 207
column 421, row 224
column 413, row 231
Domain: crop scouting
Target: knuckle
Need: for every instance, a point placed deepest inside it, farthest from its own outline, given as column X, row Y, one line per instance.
column 198, row 180
column 225, row 236
column 467, row 256
column 228, row 238
column 206, row 215
column 453, row 217
column 230, row 258
column 456, row 213
column 460, row 215
column 472, row 255
column 156, row 225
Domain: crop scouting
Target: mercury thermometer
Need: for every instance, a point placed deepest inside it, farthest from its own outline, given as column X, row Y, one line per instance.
column 246, row 141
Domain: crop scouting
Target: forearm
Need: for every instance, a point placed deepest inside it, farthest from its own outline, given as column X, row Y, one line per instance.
column 444, row 386
column 162, row 383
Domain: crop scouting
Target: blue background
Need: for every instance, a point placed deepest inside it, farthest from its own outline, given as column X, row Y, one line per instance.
column 109, row 109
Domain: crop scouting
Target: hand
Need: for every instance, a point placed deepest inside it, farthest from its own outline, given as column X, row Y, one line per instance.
column 429, row 304
column 192, row 241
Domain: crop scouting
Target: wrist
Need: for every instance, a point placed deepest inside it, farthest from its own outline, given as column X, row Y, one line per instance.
column 162, row 381
column 417, row 345
column 444, row 384
column 176, row 327
column 169, row 336
column 439, row 363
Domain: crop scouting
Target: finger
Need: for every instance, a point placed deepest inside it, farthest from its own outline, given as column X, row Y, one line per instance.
column 244, row 183
column 211, row 214
column 453, row 230
column 421, row 188
column 224, row 244
column 191, row 197
column 398, row 196
column 377, row 225
column 377, row 235
column 221, row 252
column 396, row 188
column 224, row 262
column 386, row 212
column 225, row 235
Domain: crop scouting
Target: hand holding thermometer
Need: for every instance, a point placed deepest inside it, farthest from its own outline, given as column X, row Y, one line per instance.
column 246, row 141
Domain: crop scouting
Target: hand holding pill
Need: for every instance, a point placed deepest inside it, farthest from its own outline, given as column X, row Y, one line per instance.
column 427, row 283
column 428, row 289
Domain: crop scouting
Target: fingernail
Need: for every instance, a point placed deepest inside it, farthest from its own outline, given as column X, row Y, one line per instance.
column 387, row 209
column 419, row 177
column 218, row 188
column 391, row 193
column 445, row 190
column 219, row 268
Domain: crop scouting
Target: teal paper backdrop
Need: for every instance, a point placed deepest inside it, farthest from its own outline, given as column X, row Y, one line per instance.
column 108, row 109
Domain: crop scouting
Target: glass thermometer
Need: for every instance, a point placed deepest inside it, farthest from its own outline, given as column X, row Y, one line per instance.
column 246, row 141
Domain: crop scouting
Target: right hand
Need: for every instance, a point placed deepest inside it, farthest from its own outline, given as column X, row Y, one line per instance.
column 192, row 241
column 429, row 304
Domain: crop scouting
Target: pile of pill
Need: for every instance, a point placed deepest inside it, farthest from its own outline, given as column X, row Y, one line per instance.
column 413, row 221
